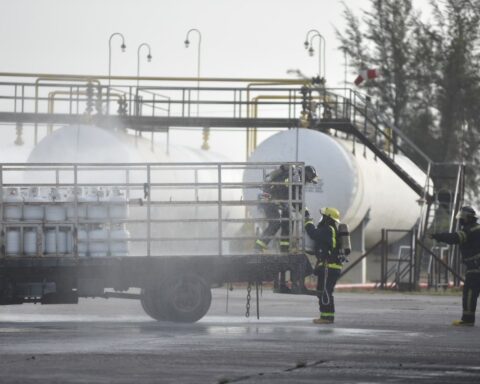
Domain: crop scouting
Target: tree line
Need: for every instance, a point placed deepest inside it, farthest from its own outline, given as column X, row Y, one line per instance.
column 429, row 65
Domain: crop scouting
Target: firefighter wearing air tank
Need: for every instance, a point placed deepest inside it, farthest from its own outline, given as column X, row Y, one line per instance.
column 468, row 237
column 332, row 246
column 278, row 213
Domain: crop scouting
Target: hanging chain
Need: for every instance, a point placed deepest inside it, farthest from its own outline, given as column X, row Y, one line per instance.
column 249, row 296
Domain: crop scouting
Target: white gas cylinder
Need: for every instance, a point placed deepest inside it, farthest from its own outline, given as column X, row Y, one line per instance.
column 97, row 242
column 118, row 208
column 30, row 242
column 33, row 210
column 119, row 241
column 81, row 205
column 97, row 208
column 82, row 243
column 55, row 209
column 55, row 242
column 12, row 210
column 13, row 242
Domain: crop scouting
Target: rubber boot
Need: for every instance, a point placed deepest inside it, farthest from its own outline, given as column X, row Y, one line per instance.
column 462, row 323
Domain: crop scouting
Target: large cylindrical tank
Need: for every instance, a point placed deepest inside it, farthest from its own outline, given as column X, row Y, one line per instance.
column 355, row 184
column 90, row 144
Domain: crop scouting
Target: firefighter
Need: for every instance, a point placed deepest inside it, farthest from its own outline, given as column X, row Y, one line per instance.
column 275, row 212
column 329, row 260
column 468, row 237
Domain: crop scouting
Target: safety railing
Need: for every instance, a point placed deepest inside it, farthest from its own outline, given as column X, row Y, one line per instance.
column 223, row 102
column 114, row 210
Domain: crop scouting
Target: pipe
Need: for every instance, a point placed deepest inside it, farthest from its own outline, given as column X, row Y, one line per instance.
column 64, row 77
column 51, row 101
column 251, row 139
column 53, row 78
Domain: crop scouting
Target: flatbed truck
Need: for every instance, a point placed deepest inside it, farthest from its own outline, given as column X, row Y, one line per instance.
column 184, row 228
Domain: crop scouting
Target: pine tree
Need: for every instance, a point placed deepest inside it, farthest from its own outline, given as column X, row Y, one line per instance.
column 384, row 45
column 430, row 73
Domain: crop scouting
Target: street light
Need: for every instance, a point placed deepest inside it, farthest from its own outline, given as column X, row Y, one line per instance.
column 187, row 44
column 345, row 57
column 308, row 44
column 149, row 58
column 122, row 47
column 206, row 130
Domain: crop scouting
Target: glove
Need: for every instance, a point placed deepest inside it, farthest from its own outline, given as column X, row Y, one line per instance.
column 433, row 236
column 307, row 214
column 264, row 196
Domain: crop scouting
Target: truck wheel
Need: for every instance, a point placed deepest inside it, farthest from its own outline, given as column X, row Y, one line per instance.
column 187, row 298
column 152, row 301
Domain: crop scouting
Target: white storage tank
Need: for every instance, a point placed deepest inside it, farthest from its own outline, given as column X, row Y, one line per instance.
column 90, row 144
column 12, row 210
column 354, row 184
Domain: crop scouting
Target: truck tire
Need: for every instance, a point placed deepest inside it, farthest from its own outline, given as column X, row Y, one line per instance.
column 152, row 300
column 187, row 298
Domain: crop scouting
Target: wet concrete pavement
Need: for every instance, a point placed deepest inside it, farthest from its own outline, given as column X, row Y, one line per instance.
column 377, row 338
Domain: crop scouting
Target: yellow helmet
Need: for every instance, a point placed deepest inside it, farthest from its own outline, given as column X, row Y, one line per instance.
column 333, row 213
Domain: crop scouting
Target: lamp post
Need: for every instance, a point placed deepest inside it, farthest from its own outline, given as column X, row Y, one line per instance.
column 345, row 57
column 308, row 44
column 187, row 44
column 122, row 47
column 149, row 58
column 206, row 130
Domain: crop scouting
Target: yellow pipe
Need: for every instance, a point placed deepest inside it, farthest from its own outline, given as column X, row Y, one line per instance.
column 152, row 78
column 37, row 82
column 96, row 78
column 252, row 142
column 251, row 139
column 53, row 78
column 53, row 94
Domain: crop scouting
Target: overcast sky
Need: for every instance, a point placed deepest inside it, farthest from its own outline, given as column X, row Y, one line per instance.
column 240, row 38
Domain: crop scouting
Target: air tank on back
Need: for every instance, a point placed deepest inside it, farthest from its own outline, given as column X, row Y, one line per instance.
column 362, row 188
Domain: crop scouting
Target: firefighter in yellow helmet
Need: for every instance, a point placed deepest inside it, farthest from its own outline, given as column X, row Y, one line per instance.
column 329, row 264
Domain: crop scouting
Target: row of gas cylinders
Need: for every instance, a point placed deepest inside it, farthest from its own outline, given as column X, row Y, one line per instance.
column 95, row 242
column 58, row 205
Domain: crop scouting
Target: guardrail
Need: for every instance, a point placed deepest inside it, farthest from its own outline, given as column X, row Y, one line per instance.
column 179, row 209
